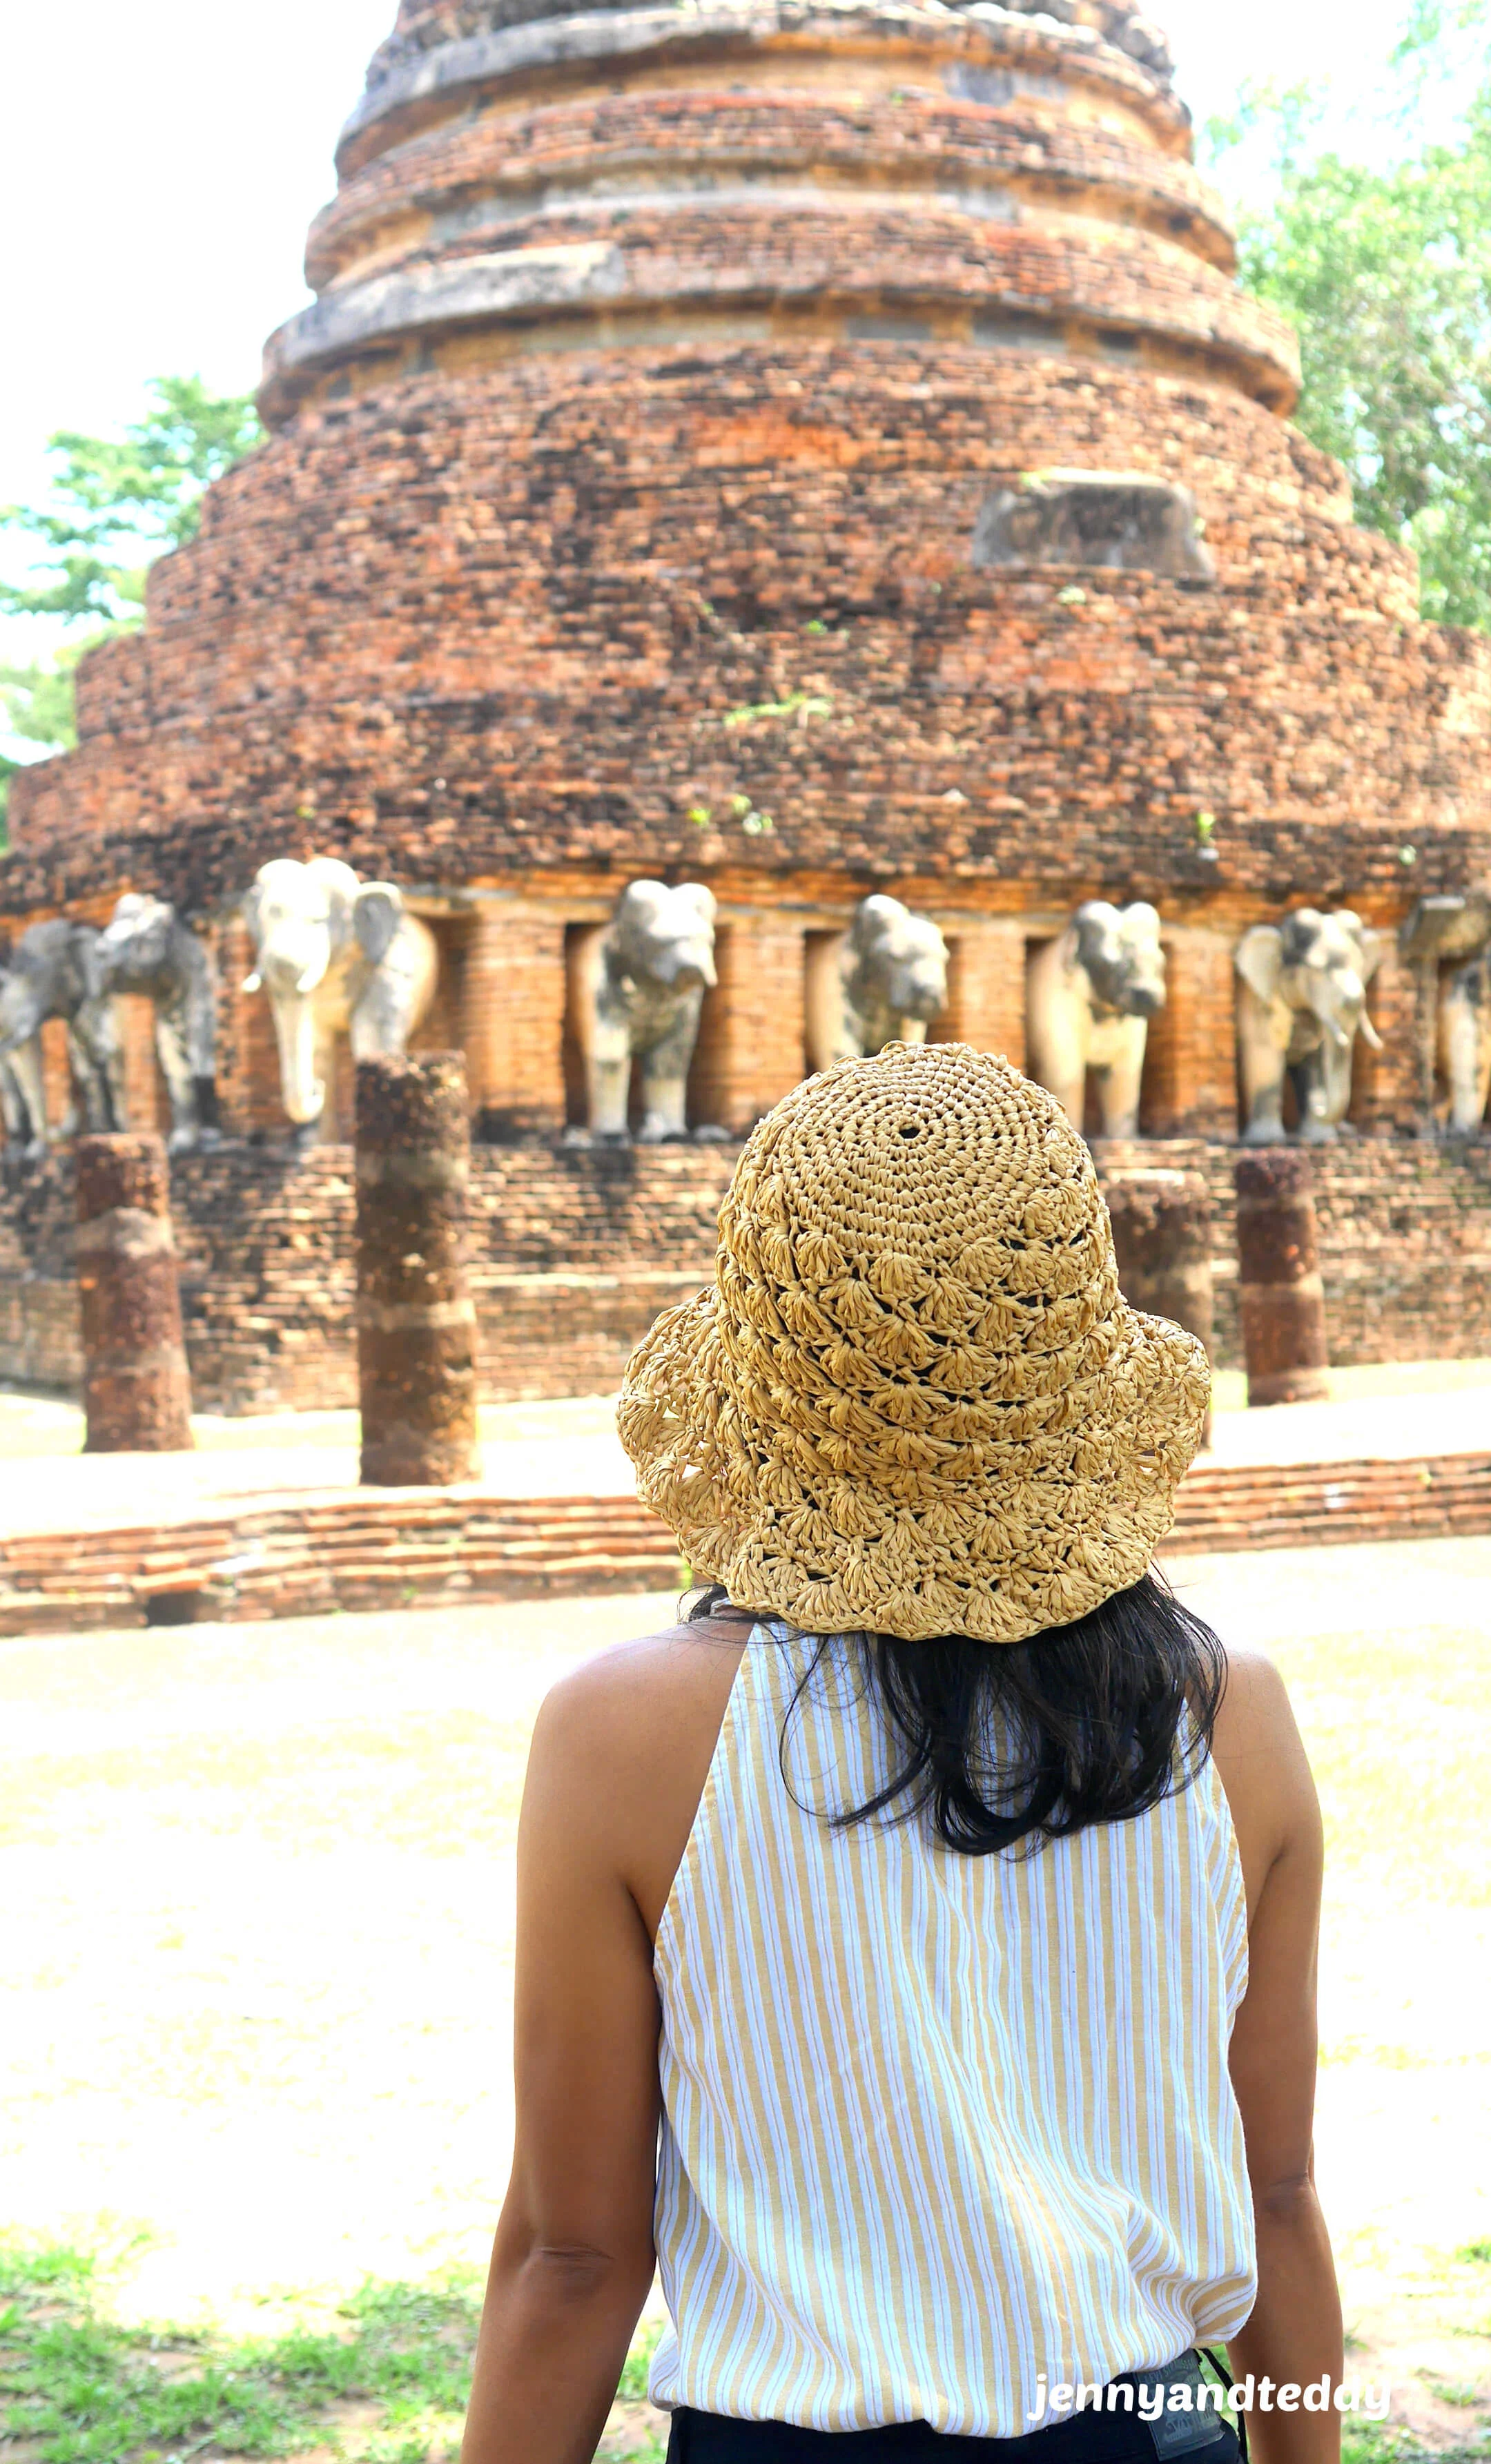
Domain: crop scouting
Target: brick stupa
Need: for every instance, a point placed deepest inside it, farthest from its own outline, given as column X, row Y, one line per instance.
column 836, row 413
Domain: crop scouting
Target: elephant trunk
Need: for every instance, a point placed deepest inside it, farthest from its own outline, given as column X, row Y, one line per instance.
column 304, row 1093
column 1368, row 1034
column 1343, row 1014
column 688, row 969
column 918, row 993
column 1142, row 999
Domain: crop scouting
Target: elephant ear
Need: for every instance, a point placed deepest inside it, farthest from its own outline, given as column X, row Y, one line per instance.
column 1088, row 936
column 88, row 956
column 878, row 917
column 1260, row 960
column 1371, row 944
column 250, row 906
column 377, row 915
column 700, row 899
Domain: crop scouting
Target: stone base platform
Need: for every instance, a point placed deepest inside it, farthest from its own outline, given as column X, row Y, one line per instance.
column 302, row 1557
column 576, row 1251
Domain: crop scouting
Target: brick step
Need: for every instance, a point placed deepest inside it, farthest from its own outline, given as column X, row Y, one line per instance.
column 392, row 1551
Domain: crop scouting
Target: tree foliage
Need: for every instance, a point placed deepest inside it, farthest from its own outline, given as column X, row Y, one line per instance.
column 117, row 504
column 1384, row 266
column 36, row 700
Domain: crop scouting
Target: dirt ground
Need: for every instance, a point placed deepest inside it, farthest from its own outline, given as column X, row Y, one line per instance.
column 255, row 1916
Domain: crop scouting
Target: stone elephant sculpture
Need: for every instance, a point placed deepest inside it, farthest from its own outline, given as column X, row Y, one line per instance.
column 1465, row 1045
column 146, row 948
column 54, row 972
column 636, row 992
column 1447, row 929
column 336, row 957
column 883, row 982
column 14, row 1111
column 1301, row 1003
column 1090, row 996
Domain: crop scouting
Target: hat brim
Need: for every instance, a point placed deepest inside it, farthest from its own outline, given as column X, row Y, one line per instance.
column 998, row 1539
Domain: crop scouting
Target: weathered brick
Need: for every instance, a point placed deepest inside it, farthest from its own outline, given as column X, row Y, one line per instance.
column 624, row 488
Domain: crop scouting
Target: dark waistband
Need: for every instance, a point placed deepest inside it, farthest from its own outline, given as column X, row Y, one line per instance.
column 1106, row 2434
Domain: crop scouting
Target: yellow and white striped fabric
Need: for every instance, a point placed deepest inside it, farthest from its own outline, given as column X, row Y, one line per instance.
column 934, row 2124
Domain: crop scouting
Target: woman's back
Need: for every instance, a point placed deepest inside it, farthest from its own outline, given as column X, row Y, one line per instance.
column 949, row 2105
column 936, row 2126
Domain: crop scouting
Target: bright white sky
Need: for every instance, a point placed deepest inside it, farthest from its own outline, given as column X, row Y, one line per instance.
column 162, row 161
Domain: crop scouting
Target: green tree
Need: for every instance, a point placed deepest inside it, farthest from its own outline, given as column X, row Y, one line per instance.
column 1384, row 267
column 36, row 707
column 116, row 505
column 38, row 700
column 119, row 504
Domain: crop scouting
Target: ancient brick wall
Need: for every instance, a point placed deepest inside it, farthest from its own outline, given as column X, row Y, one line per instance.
column 973, row 727
column 576, row 1251
column 634, row 479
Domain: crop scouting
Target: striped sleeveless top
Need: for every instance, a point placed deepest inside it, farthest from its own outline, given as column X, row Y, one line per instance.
column 935, row 2124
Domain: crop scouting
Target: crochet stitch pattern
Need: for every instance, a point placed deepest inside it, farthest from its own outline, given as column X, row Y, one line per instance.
column 914, row 1400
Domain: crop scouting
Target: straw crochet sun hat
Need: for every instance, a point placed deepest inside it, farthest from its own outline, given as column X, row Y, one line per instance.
column 914, row 1399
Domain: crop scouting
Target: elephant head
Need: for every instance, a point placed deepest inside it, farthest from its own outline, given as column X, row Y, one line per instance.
column 667, row 936
column 1319, row 966
column 1120, row 952
column 898, row 961
column 54, row 970
column 135, row 943
column 313, row 923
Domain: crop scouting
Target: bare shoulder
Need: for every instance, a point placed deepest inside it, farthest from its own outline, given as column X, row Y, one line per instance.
column 1256, row 1706
column 625, row 1742
column 656, row 1681
column 1263, row 1767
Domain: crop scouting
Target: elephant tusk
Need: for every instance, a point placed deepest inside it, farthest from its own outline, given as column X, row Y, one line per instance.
column 253, row 984
column 1370, row 1035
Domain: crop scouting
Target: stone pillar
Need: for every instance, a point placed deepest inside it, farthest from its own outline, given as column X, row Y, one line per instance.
column 248, row 1055
column 136, row 1392
column 1162, row 1231
column 986, row 986
column 512, row 1000
column 752, row 1034
column 64, row 1099
column 143, row 1089
column 1426, row 1047
column 1385, row 1085
column 1191, row 1059
column 416, row 1322
column 1283, row 1297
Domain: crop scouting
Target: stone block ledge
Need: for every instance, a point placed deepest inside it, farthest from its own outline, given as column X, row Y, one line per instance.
column 424, row 1548
column 574, row 1252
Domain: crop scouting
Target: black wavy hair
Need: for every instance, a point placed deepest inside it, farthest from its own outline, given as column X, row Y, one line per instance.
column 1024, row 1743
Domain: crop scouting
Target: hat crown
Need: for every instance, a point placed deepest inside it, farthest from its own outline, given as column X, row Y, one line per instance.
column 914, row 1398
column 932, row 1181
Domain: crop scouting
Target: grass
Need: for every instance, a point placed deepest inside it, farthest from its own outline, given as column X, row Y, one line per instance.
column 384, row 2382
column 1370, row 2442
column 236, row 1947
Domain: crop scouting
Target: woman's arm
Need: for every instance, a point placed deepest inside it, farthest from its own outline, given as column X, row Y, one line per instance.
column 1294, row 2334
column 573, row 2260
